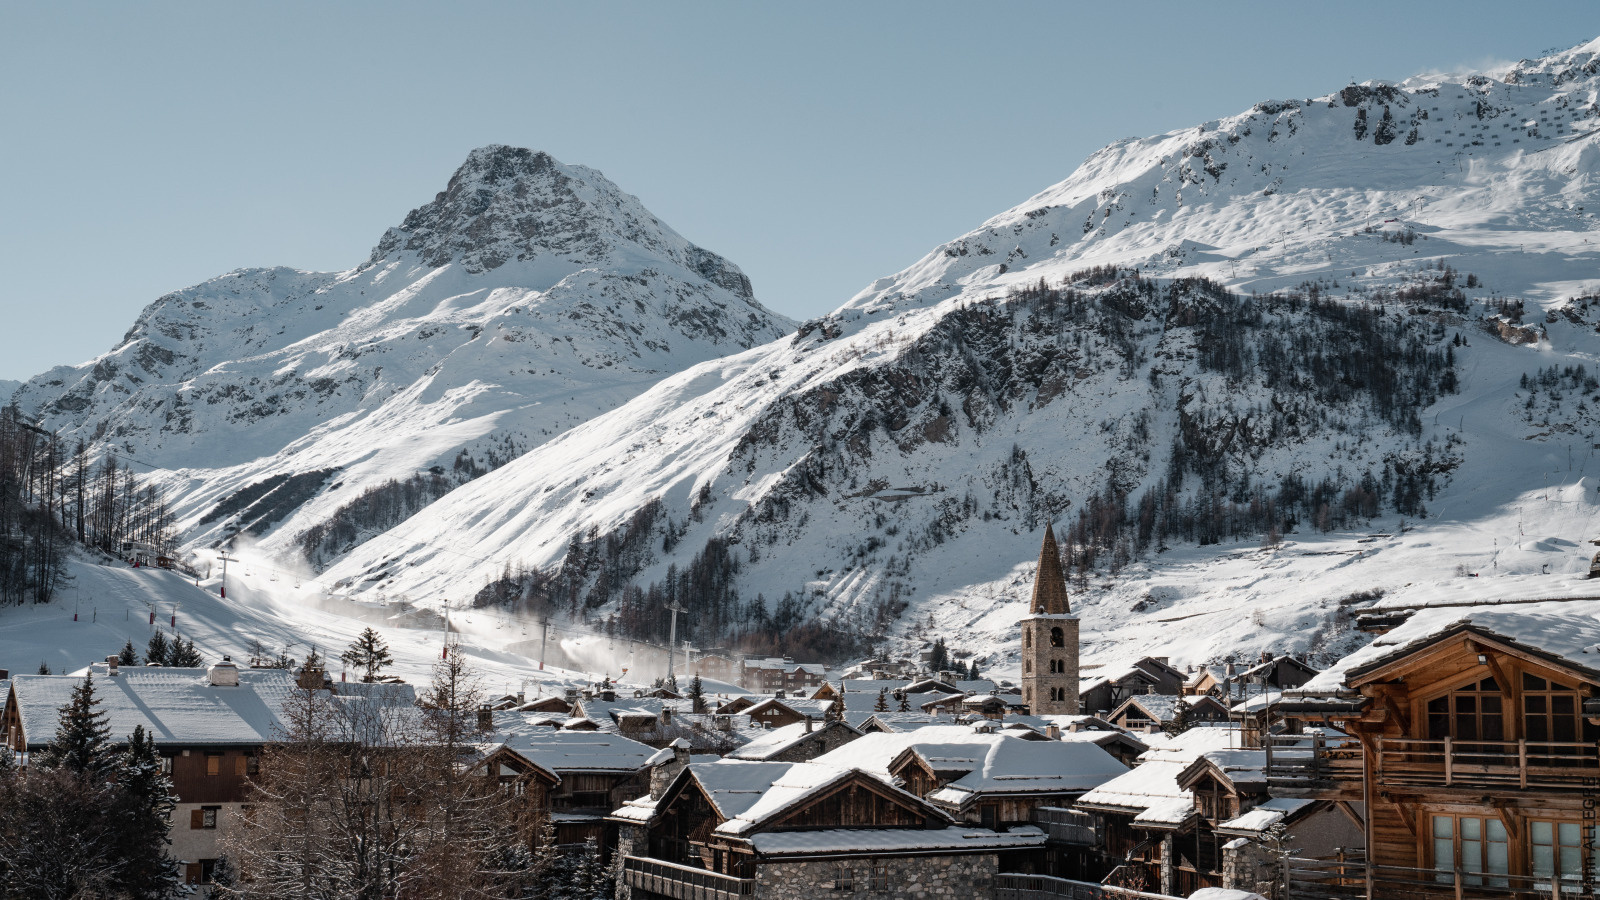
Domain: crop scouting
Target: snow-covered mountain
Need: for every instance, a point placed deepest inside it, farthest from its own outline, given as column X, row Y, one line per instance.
column 1326, row 318
column 527, row 297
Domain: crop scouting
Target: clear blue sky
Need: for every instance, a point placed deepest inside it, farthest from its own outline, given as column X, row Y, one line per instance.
column 146, row 147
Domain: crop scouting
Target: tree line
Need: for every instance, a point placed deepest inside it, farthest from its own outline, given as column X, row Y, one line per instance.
column 53, row 496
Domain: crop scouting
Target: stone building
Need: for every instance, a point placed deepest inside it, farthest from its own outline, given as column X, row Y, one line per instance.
column 1050, row 639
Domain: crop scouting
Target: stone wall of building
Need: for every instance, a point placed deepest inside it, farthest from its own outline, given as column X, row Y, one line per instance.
column 1250, row 866
column 949, row 877
column 629, row 837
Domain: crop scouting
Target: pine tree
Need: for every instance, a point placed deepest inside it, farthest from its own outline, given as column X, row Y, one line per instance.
column 697, row 694
column 972, row 671
column 369, row 654
column 184, row 655
column 158, row 650
column 1180, row 718
column 128, row 656
column 883, row 701
column 82, row 741
column 905, row 702
column 141, row 821
column 44, row 667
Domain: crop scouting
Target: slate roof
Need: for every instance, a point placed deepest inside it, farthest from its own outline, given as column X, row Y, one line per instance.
column 563, row 751
column 179, row 707
column 1011, row 766
column 779, row 740
column 1152, row 785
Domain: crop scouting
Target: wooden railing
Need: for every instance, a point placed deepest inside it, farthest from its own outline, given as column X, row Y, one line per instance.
column 683, row 882
column 1310, row 760
column 1518, row 764
column 1300, row 761
column 1066, row 826
column 1326, row 878
column 1046, row 887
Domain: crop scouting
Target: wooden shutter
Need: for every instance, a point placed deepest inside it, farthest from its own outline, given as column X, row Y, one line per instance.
column 197, row 818
column 191, row 873
column 239, row 764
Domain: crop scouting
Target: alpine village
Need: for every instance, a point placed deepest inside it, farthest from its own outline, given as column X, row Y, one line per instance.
column 1214, row 524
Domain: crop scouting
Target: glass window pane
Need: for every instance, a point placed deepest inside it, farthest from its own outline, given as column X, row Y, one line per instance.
column 1444, row 854
column 1499, row 860
column 1495, row 829
column 1559, row 687
column 1489, row 684
column 1471, row 829
column 1533, row 704
column 1532, row 682
column 1543, row 860
column 1491, row 705
column 1466, row 704
column 1444, row 827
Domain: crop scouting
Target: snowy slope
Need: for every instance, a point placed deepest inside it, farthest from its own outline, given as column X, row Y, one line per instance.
column 524, row 299
column 7, row 388
column 107, row 604
column 900, row 455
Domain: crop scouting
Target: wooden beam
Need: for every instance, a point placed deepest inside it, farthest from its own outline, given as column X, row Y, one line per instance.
column 1349, row 811
column 1400, row 716
column 1406, row 818
column 1507, row 819
column 1500, row 677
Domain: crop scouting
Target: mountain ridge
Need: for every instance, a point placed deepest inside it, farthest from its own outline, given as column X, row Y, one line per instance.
column 523, row 299
column 883, row 470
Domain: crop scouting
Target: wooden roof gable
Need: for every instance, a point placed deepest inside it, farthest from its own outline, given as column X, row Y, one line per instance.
column 1422, row 656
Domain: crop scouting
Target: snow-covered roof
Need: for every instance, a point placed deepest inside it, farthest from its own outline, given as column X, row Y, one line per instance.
column 1011, row 766
column 639, row 811
column 1244, row 769
column 781, row 739
column 804, row 706
column 1154, row 781
column 874, row 752
column 954, row 839
column 1567, row 630
column 178, row 707
column 1263, row 816
column 563, row 751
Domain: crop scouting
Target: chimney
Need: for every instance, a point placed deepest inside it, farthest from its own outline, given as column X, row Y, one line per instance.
column 224, row 674
column 485, row 718
column 778, row 694
column 680, row 752
column 111, row 666
column 1053, row 731
column 724, row 723
column 808, row 724
column 666, row 715
column 311, row 678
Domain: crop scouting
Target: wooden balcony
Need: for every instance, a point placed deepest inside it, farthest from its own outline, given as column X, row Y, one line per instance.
column 1066, row 826
column 1539, row 765
column 683, row 882
column 1299, row 766
column 1346, row 879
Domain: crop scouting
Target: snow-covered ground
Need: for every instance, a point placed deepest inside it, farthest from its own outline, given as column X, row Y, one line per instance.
column 110, row 602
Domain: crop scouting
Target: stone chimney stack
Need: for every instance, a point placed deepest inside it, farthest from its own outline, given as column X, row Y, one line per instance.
column 485, row 718
column 111, row 666
column 1053, row 731
column 311, row 678
column 224, row 674
column 808, row 724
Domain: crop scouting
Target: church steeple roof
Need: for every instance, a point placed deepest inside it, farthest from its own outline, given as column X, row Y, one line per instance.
column 1049, row 582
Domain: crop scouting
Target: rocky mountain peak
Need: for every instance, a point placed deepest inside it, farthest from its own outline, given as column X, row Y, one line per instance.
column 511, row 203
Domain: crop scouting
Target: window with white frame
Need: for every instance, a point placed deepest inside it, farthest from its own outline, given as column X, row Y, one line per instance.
column 1476, row 846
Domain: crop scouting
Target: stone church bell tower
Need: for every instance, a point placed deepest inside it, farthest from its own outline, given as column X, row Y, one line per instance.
column 1050, row 640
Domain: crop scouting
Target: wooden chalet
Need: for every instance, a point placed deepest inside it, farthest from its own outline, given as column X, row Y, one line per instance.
column 1154, row 712
column 595, row 773
column 1102, row 691
column 734, row 828
column 1472, row 745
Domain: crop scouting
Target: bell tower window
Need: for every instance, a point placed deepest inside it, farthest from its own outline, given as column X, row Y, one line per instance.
column 1057, row 638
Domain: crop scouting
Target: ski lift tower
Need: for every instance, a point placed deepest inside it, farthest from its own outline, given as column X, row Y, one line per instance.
column 672, row 635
